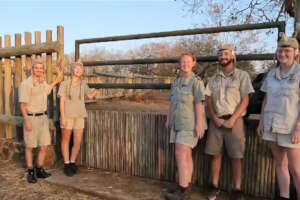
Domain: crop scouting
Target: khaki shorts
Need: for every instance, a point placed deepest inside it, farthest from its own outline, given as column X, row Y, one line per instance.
column 73, row 123
column 234, row 139
column 40, row 134
column 283, row 140
column 187, row 138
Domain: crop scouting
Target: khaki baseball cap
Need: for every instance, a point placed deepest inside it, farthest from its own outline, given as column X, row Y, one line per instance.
column 224, row 46
column 286, row 41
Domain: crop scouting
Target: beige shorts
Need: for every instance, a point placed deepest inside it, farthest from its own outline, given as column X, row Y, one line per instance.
column 234, row 139
column 283, row 140
column 187, row 138
column 40, row 134
column 73, row 124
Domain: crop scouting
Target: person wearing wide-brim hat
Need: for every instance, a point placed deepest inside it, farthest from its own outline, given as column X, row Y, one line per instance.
column 279, row 123
column 227, row 99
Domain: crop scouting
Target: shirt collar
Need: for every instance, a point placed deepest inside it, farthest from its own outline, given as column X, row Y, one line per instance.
column 232, row 74
column 278, row 76
column 188, row 80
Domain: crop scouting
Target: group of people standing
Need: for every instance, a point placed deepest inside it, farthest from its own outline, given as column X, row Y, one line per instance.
column 33, row 95
column 226, row 96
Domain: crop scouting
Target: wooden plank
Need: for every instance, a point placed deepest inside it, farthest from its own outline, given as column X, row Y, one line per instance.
column 18, row 74
column 28, row 62
column 8, row 87
column 37, row 41
column 2, row 129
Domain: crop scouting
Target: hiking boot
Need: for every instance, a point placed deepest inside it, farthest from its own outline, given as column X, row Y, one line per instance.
column 67, row 170
column 173, row 189
column 237, row 195
column 213, row 192
column 180, row 194
column 74, row 168
column 41, row 173
column 31, row 176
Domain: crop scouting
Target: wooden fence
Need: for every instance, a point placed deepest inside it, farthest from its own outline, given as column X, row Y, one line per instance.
column 137, row 144
column 16, row 63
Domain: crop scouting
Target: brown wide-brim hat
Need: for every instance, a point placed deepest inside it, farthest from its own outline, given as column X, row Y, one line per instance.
column 286, row 41
column 224, row 46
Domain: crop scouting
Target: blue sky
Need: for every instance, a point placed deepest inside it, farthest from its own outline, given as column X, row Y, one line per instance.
column 96, row 18
column 86, row 19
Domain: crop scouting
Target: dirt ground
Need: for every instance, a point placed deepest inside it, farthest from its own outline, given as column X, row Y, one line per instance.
column 14, row 186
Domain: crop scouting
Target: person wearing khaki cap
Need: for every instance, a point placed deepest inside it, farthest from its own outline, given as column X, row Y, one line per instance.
column 279, row 122
column 33, row 94
column 227, row 99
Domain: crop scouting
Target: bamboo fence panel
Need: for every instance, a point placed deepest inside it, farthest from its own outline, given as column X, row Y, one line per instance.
column 137, row 144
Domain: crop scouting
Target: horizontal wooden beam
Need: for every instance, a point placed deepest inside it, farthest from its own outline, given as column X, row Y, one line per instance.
column 30, row 49
column 158, row 86
column 247, row 57
column 210, row 30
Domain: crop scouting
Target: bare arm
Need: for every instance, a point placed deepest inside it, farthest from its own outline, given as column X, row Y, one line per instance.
column 199, row 119
column 169, row 115
column 261, row 120
column 59, row 78
column 93, row 94
column 62, row 111
column 27, row 121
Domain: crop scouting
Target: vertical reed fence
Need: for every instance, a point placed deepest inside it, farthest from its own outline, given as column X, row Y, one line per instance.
column 137, row 144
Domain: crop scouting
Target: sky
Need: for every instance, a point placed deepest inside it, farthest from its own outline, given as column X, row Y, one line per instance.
column 95, row 18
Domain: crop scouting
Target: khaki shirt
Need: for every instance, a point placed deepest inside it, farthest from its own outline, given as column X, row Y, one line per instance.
column 74, row 101
column 34, row 95
column 183, row 101
column 228, row 91
column 282, row 105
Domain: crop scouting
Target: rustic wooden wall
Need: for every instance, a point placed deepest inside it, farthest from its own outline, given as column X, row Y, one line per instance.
column 136, row 143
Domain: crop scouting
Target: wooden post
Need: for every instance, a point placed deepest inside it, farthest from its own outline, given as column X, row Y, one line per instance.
column 50, row 71
column 18, row 73
column 7, row 86
column 2, row 130
column 28, row 58
column 37, row 40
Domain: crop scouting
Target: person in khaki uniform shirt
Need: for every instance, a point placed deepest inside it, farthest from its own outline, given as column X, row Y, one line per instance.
column 227, row 98
column 33, row 94
column 186, row 119
column 279, row 123
column 72, row 109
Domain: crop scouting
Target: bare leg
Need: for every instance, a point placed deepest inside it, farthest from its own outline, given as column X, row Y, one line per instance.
column 65, row 143
column 237, row 168
column 29, row 157
column 216, row 164
column 77, row 144
column 181, row 152
column 282, row 171
column 294, row 164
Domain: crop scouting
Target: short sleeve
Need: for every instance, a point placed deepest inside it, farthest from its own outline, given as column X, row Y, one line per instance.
column 264, row 85
column 24, row 92
column 208, row 89
column 172, row 97
column 198, row 91
column 246, row 85
column 87, row 89
column 47, row 88
column 62, row 91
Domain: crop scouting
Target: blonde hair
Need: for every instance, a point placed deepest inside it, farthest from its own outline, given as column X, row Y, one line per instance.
column 73, row 65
